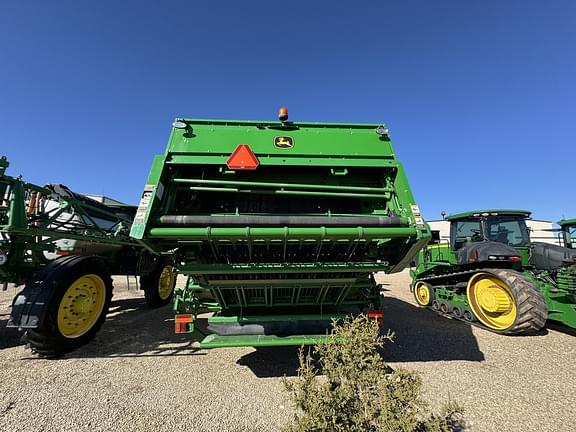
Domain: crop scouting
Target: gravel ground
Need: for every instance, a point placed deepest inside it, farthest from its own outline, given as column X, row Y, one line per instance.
column 139, row 376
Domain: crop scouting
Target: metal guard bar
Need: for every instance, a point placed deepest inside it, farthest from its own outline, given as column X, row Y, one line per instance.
column 299, row 268
column 282, row 221
column 249, row 233
column 291, row 192
column 274, row 185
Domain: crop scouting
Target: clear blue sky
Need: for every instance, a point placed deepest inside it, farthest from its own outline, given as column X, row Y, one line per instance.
column 479, row 96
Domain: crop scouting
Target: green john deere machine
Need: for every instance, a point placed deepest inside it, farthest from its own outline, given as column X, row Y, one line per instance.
column 568, row 230
column 279, row 225
column 63, row 248
column 491, row 274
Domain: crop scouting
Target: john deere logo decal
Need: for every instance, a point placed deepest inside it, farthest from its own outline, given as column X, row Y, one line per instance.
column 284, row 142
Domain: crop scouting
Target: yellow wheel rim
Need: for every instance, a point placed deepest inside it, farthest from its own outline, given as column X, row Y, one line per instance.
column 422, row 294
column 492, row 301
column 81, row 306
column 166, row 282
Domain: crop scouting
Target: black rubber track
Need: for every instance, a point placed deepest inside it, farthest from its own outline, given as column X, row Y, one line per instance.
column 46, row 340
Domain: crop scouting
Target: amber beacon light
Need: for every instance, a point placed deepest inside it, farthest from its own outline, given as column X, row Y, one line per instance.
column 283, row 114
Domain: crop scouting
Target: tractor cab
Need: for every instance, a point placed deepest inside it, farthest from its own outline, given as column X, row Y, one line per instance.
column 493, row 236
column 568, row 228
column 502, row 226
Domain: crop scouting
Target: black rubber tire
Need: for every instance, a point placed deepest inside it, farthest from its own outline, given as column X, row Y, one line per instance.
column 532, row 311
column 436, row 305
column 47, row 340
column 444, row 308
column 457, row 312
column 149, row 284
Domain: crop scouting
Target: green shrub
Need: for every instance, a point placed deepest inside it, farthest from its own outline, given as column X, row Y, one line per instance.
column 357, row 391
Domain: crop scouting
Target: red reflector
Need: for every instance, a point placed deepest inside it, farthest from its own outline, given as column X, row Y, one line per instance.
column 184, row 318
column 515, row 259
column 181, row 322
column 61, row 252
column 242, row 159
column 376, row 314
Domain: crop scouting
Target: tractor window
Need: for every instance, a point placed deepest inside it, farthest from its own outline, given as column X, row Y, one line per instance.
column 571, row 237
column 509, row 231
column 465, row 230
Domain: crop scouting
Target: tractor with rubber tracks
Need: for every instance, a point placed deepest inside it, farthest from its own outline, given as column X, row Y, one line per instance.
column 63, row 247
column 280, row 226
column 491, row 274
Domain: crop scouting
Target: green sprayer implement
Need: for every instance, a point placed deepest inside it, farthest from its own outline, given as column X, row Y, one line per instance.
column 492, row 274
column 279, row 225
column 64, row 247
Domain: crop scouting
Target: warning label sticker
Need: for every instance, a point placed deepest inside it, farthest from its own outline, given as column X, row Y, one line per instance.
column 417, row 216
column 143, row 205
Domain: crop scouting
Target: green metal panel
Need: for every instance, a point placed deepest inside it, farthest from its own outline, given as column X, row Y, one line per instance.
column 281, row 159
column 559, row 289
column 149, row 196
column 452, row 297
column 339, row 141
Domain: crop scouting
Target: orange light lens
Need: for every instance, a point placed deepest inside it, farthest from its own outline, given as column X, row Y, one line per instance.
column 283, row 113
column 181, row 322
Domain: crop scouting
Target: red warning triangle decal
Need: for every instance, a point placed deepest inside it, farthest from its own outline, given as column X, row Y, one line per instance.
column 242, row 159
